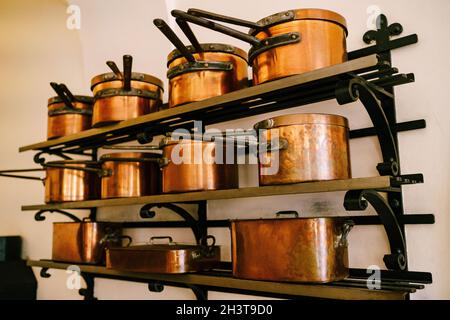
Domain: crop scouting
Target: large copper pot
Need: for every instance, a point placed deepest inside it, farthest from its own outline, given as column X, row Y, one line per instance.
column 202, row 71
column 69, row 180
column 313, row 147
column 68, row 114
column 84, row 242
column 191, row 166
column 130, row 174
column 286, row 43
column 122, row 96
column 290, row 249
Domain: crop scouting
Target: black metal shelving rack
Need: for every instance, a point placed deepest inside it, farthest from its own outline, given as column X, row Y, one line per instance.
column 368, row 76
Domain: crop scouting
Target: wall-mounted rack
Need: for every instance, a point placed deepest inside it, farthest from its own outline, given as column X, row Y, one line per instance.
column 369, row 77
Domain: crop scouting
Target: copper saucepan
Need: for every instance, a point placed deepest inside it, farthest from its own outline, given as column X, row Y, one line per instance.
column 202, row 71
column 67, row 113
column 286, row 43
column 124, row 95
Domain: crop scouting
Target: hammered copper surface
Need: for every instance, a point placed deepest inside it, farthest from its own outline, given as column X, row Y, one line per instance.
column 198, row 172
column 316, row 151
column 69, row 123
column 162, row 258
column 302, row 249
column 322, row 44
column 130, row 178
column 113, row 109
column 200, row 85
column 80, row 242
column 62, row 185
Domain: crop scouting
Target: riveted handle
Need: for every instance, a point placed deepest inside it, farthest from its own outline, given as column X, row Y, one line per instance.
column 346, row 228
column 184, row 26
column 115, row 69
column 60, row 92
column 222, row 18
column 8, row 174
column 127, row 66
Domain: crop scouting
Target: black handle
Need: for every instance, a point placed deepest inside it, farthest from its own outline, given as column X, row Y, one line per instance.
column 216, row 27
column 60, row 92
column 6, row 173
column 168, row 32
column 287, row 212
column 222, row 18
column 67, row 92
column 184, row 26
column 127, row 66
column 113, row 66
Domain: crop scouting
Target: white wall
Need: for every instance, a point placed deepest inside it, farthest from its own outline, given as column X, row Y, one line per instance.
column 36, row 48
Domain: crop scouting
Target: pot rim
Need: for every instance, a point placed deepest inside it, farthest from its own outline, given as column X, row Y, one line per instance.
column 341, row 219
column 78, row 98
column 85, row 162
column 209, row 47
column 135, row 76
column 302, row 119
column 301, row 14
column 138, row 155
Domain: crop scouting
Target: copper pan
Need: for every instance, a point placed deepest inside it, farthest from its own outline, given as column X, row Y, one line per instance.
column 216, row 68
column 286, row 43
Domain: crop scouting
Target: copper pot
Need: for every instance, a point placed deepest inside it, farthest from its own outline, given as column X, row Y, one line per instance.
column 314, row 147
column 121, row 96
column 68, row 114
column 130, row 174
column 191, row 166
column 216, row 68
column 68, row 180
column 290, row 249
column 84, row 241
column 286, row 43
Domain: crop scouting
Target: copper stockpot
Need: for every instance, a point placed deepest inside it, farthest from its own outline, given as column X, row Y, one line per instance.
column 67, row 114
column 131, row 174
column 63, row 183
column 202, row 71
column 315, row 147
column 290, row 249
column 285, row 43
column 196, row 169
column 122, row 96
column 84, row 242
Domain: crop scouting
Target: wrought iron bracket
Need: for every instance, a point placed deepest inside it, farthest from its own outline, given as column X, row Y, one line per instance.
column 155, row 287
column 198, row 226
column 88, row 292
column 201, row 293
column 40, row 160
column 44, row 273
column 357, row 88
column 39, row 216
column 356, row 200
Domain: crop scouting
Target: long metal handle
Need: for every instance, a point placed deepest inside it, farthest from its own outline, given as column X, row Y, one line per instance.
column 100, row 172
column 6, row 173
column 168, row 32
column 131, row 148
column 152, row 239
column 127, row 66
column 60, row 92
column 67, row 92
column 222, row 18
column 216, row 27
column 184, row 26
column 113, row 66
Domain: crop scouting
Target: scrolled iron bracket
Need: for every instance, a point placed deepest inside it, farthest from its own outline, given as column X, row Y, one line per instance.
column 41, row 160
column 39, row 216
column 44, row 273
column 383, row 30
column 88, row 292
column 356, row 200
column 201, row 294
column 357, row 88
column 155, row 287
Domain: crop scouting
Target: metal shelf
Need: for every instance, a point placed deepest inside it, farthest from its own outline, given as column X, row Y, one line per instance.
column 348, row 289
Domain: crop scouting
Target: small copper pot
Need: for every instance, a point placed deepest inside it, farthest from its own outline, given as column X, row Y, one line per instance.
column 190, row 166
column 290, row 249
column 314, row 147
column 68, row 180
column 121, row 96
column 130, row 174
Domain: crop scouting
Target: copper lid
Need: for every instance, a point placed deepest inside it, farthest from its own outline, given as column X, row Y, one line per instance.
column 135, row 76
column 82, row 99
column 301, row 14
column 303, row 118
column 129, row 155
column 209, row 47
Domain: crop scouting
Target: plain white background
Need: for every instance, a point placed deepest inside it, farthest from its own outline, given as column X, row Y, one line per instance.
column 36, row 48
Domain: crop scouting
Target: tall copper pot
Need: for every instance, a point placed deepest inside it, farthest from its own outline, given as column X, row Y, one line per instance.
column 313, row 147
column 130, row 174
column 290, row 249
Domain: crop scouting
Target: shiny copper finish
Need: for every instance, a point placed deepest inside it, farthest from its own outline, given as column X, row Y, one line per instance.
column 301, row 249
column 68, row 123
column 203, row 84
column 173, row 258
column 83, row 242
column 317, row 149
column 322, row 44
column 109, row 110
column 63, row 184
column 198, row 171
column 130, row 178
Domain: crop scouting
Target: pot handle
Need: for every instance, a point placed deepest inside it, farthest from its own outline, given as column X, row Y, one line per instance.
column 184, row 26
column 269, row 147
column 152, row 239
column 114, row 237
column 131, row 148
column 222, row 18
column 216, row 27
column 59, row 89
column 127, row 66
column 287, row 212
column 207, row 250
column 7, row 173
column 99, row 172
column 115, row 69
column 346, row 228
